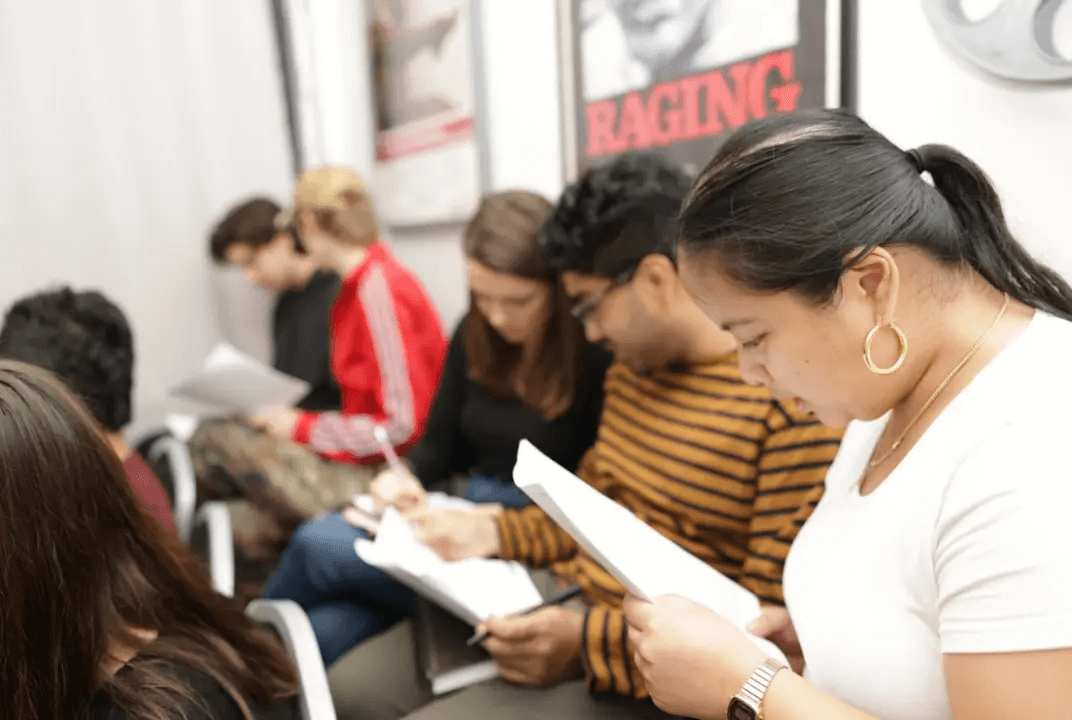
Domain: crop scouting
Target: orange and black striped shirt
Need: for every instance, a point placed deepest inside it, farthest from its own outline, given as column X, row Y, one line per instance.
column 712, row 463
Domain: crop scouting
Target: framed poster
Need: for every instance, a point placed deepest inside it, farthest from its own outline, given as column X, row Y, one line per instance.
column 674, row 76
column 425, row 84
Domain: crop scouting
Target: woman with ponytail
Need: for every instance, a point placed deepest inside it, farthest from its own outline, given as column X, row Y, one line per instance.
column 883, row 290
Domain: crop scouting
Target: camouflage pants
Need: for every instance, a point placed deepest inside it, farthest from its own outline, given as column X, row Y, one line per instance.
column 271, row 487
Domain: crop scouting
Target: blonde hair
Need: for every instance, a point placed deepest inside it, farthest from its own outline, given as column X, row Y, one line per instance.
column 340, row 202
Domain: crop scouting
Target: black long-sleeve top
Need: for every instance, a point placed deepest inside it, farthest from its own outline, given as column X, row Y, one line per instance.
column 471, row 430
column 301, row 335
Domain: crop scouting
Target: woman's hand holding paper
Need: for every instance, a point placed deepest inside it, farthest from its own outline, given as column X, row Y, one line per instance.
column 689, row 655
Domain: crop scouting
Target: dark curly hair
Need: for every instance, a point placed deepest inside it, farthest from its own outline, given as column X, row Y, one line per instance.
column 249, row 223
column 82, row 338
column 615, row 215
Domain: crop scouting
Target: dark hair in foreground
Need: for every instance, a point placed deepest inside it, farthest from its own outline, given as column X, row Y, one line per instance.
column 83, row 561
column 82, row 338
column 789, row 201
column 615, row 215
column 504, row 235
column 249, row 223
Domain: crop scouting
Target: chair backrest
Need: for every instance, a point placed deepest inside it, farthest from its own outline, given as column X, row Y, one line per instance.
column 184, row 483
column 292, row 626
column 216, row 519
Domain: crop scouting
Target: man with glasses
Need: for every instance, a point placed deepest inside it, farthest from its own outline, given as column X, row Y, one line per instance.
column 716, row 465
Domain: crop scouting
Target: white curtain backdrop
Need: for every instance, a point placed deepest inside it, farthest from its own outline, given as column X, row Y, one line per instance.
column 126, row 128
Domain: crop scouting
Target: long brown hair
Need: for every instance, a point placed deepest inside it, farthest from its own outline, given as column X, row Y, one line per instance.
column 504, row 235
column 82, row 562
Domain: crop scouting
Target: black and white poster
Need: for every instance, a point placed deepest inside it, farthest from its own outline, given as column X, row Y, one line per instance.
column 676, row 75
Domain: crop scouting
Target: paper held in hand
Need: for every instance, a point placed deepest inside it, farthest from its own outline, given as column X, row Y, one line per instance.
column 637, row 555
column 233, row 381
column 472, row 590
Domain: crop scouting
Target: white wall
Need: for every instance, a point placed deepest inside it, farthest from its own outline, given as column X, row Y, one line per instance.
column 915, row 91
column 126, row 128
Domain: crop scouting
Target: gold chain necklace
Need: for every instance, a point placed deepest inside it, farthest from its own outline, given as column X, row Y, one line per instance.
column 937, row 391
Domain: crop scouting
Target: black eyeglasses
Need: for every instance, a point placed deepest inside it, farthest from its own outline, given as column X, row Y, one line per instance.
column 582, row 310
column 287, row 222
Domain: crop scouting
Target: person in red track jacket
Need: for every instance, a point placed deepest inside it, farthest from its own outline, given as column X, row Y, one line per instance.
column 388, row 345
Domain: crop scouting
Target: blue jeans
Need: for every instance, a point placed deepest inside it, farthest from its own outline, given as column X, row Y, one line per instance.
column 483, row 489
column 348, row 600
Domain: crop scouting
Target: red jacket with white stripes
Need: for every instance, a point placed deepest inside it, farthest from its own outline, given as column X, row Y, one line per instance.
column 387, row 351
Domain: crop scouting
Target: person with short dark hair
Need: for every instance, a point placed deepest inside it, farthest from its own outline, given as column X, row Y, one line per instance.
column 716, row 465
column 85, row 340
column 884, row 289
column 247, row 238
column 518, row 367
column 104, row 615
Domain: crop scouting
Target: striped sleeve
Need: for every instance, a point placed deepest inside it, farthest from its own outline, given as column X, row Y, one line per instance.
column 530, row 536
column 792, row 467
column 334, row 432
column 607, row 654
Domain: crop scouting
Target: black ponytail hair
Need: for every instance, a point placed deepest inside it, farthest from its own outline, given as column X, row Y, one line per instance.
column 788, row 198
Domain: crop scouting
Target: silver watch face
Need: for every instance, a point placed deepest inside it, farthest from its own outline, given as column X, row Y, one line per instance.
column 740, row 710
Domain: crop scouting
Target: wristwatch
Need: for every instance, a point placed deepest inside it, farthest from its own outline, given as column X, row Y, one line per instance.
column 745, row 704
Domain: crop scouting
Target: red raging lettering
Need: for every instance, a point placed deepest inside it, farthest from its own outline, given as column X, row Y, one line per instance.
column 693, row 107
column 785, row 96
column 601, row 137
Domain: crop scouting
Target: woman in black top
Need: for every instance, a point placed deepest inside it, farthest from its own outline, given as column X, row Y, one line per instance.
column 518, row 367
column 473, row 431
column 103, row 613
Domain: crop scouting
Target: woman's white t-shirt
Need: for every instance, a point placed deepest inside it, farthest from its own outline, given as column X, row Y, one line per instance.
column 965, row 548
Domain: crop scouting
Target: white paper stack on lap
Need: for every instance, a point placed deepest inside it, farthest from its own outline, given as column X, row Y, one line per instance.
column 472, row 590
column 233, row 381
column 638, row 556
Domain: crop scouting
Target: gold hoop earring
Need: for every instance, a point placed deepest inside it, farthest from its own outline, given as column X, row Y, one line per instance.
column 902, row 341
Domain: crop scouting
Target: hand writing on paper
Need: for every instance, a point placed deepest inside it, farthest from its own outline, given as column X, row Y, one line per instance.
column 540, row 649
column 277, row 422
column 693, row 660
column 775, row 624
column 457, row 534
column 399, row 490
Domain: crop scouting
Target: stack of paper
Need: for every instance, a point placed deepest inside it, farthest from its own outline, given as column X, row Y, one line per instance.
column 646, row 562
column 473, row 589
column 233, row 381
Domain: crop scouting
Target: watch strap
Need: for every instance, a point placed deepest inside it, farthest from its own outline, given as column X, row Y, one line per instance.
column 755, row 688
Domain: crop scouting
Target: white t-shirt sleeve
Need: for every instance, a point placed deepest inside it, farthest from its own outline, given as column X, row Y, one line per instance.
column 1003, row 541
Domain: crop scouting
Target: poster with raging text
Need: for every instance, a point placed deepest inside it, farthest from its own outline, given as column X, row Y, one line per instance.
column 676, row 76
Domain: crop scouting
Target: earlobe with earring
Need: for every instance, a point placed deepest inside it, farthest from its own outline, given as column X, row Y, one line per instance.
column 902, row 341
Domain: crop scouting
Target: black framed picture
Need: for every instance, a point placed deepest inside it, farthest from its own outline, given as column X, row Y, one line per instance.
column 425, row 81
column 675, row 76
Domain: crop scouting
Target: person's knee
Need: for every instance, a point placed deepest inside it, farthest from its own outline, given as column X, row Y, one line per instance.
column 326, row 537
column 378, row 680
column 339, row 626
